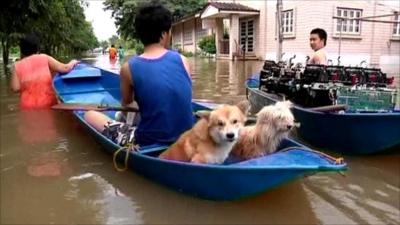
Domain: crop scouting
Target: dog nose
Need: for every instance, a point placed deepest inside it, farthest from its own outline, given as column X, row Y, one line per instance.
column 289, row 127
column 230, row 135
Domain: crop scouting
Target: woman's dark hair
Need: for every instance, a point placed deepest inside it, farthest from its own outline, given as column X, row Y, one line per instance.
column 321, row 34
column 29, row 45
column 151, row 21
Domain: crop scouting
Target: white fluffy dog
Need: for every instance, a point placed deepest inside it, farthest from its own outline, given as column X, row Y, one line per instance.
column 273, row 124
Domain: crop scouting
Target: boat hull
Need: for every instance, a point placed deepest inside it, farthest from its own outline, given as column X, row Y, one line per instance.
column 347, row 133
column 234, row 179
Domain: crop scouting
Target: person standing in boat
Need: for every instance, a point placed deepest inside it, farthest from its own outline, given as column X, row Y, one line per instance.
column 318, row 39
column 33, row 73
column 158, row 81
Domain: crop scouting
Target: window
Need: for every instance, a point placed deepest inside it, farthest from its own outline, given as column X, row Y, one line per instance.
column 187, row 36
column 200, row 33
column 396, row 27
column 177, row 37
column 348, row 25
column 287, row 22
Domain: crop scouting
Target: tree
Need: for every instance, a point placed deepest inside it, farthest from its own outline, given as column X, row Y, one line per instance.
column 13, row 19
column 114, row 40
column 124, row 12
column 104, row 45
column 60, row 25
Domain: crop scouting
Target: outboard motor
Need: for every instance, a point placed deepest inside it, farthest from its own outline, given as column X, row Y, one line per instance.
column 335, row 73
column 375, row 76
column 354, row 75
column 314, row 73
column 271, row 66
column 269, row 75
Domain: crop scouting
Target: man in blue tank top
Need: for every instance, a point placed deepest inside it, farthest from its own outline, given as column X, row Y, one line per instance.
column 158, row 80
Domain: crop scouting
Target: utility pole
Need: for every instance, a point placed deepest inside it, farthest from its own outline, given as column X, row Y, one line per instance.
column 279, row 26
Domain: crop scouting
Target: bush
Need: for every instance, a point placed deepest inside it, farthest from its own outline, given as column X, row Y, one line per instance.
column 207, row 44
column 139, row 48
column 187, row 54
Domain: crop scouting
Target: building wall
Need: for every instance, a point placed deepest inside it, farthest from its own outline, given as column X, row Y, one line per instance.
column 176, row 36
column 375, row 43
column 189, row 28
column 188, row 40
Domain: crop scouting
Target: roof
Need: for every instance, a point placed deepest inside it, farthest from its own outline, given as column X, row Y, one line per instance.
column 221, row 6
column 231, row 6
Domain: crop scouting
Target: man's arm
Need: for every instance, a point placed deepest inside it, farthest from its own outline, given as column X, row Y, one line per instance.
column 126, row 85
column 186, row 65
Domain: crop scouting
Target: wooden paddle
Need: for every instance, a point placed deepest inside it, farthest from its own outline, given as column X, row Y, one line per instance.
column 329, row 108
column 85, row 107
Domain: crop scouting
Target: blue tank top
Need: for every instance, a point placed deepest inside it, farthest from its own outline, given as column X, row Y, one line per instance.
column 163, row 91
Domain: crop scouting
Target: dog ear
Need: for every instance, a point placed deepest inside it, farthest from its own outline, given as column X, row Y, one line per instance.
column 203, row 114
column 244, row 106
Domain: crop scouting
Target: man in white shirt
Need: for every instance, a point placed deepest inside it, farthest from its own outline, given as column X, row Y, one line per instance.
column 318, row 39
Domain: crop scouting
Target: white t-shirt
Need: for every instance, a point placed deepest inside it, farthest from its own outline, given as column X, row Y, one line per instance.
column 319, row 57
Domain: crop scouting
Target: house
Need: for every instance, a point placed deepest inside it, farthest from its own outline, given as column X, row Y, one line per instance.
column 252, row 29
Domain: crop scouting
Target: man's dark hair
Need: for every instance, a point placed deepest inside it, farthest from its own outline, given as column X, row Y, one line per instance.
column 112, row 46
column 321, row 34
column 29, row 45
column 151, row 21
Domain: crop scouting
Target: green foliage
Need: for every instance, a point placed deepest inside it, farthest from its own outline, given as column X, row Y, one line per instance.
column 226, row 33
column 124, row 12
column 139, row 47
column 104, row 44
column 114, row 40
column 207, row 44
column 59, row 24
column 187, row 54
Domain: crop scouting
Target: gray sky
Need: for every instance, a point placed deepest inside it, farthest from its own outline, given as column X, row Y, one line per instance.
column 103, row 23
column 104, row 27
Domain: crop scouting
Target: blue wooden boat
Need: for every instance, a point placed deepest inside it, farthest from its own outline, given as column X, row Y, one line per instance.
column 234, row 179
column 348, row 133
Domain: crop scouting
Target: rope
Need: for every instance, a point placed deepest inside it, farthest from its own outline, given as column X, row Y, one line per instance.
column 336, row 161
column 128, row 149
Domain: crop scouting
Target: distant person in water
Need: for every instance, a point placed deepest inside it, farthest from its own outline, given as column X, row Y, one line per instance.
column 112, row 52
column 121, row 53
column 318, row 39
column 33, row 73
column 158, row 80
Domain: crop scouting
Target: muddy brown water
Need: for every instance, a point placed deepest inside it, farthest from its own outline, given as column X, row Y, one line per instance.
column 53, row 172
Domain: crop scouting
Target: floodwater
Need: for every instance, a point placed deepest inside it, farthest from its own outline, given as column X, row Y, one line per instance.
column 53, row 172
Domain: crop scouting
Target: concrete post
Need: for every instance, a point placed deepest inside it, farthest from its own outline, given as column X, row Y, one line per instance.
column 219, row 34
column 233, row 35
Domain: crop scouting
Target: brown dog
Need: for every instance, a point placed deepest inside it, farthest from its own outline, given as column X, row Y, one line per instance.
column 212, row 137
column 273, row 124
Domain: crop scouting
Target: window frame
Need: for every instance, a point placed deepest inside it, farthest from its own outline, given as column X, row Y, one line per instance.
column 288, row 15
column 349, row 24
column 396, row 27
column 185, row 40
column 289, row 34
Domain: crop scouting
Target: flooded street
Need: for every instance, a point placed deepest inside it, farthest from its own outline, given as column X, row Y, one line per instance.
column 53, row 172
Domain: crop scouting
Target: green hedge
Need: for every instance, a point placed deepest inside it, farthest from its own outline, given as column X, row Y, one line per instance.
column 207, row 44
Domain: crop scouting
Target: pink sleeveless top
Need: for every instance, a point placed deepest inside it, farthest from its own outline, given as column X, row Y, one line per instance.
column 36, row 82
